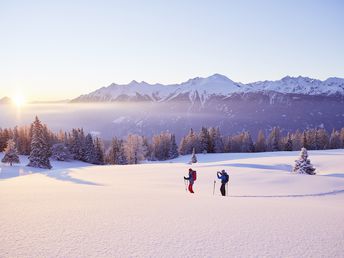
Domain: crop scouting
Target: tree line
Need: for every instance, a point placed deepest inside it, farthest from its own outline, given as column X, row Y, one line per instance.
column 40, row 143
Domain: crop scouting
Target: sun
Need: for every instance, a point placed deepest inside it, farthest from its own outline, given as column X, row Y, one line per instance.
column 18, row 100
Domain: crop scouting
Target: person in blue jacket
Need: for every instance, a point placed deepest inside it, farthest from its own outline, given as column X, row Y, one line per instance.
column 224, row 177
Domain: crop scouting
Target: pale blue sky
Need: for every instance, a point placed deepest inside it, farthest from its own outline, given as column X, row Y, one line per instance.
column 59, row 49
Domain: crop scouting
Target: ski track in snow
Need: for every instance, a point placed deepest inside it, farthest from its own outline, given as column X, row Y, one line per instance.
column 77, row 210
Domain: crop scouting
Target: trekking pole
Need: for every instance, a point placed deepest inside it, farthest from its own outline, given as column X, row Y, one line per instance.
column 227, row 189
column 185, row 185
column 214, row 187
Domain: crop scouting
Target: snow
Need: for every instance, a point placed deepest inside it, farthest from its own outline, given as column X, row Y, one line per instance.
column 299, row 85
column 215, row 85
column 143, row 210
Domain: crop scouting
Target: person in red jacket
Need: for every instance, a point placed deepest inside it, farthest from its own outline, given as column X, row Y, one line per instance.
column 191, row 179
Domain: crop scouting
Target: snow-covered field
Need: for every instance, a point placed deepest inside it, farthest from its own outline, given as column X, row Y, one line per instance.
column 77, row 210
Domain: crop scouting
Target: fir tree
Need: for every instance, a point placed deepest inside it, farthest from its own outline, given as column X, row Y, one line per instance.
column 247, row 143
column 288, row 146
column 303, row 164
column 204, row 139
column 182, row 146
column 134, row 149
column 335, row 140
column 39, row 155
column 99, row 152
column 342, row 138
column 260, row 144
column 59, row 151
column 304, row 141
column 173, row 152
column 193, row 157
column 116, row 154
column 90, row 152
column 216, row 143
column 11, row 155
column 274, row 139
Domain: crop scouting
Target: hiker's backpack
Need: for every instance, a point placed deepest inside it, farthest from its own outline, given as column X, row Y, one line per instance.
column 226, row 177
column 194, row 175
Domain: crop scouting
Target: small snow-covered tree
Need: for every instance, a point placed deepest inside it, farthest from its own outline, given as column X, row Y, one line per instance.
column 39, row 155
column 193, row 157
column 10, row 153
column 303, row 164
column 59, row 151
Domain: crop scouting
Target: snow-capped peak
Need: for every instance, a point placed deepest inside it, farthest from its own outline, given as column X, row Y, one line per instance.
column 214, row 85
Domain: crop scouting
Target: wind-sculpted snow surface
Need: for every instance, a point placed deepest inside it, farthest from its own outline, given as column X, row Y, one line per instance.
column 144, row 210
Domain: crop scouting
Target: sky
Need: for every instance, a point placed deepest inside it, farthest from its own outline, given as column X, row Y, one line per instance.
column 52, row 50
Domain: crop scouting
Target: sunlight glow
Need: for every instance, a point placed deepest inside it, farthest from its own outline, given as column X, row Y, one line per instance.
column 18, row 100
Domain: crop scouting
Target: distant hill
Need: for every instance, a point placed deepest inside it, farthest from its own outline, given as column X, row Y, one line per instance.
column 5, row 100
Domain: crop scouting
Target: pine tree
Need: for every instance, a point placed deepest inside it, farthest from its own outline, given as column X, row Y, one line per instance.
column 60, row 152
column 11, row 155
column 342, row 138
column 99, row 152
column 39, row 155
column 90, row 152
column 260, row 144
column 173, row 152
column 322, row 139
column 134, row 149
column 247, row 143
column 289, row 143
column 204, row 139
column 304, row 141
column 193, row 157
column 216, row 143
column 116, row 154
column 189, row 142
column 274, row 139
column 303, row 164
column 182, row 146
column 335, row 140
column 297, row 142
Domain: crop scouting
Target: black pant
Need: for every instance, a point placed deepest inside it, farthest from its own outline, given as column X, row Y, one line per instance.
column 223, row 189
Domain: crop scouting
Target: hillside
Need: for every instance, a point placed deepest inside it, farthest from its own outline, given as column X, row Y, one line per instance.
column 144, row 211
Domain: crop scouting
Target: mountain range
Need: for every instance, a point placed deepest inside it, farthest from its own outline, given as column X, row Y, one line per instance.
column 217, row 85
column 291, row 103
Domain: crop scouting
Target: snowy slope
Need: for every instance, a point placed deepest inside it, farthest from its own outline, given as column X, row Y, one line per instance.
column 144, row 211
column 212, row 86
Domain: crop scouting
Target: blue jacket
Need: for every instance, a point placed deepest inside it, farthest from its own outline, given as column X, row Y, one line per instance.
column 190, row 178
column 223, row 176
